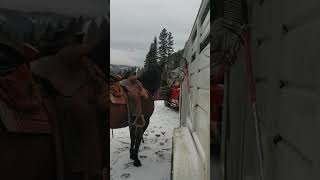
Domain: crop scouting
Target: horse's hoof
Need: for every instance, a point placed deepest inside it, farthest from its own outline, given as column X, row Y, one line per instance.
column 137, row 163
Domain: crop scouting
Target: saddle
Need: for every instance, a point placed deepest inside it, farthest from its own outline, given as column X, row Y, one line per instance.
column 130, row 92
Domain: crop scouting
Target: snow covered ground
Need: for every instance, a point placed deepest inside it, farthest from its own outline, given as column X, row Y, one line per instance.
column 155, row 152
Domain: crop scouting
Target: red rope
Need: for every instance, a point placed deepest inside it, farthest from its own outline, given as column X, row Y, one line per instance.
column 249, row 67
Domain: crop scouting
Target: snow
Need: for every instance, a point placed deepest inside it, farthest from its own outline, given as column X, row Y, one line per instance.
column 155, row 153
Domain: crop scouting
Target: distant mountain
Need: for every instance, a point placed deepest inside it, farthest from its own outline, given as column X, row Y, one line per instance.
column 116, row 68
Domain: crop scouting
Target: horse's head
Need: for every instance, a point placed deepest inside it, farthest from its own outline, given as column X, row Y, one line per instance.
column 151, row 78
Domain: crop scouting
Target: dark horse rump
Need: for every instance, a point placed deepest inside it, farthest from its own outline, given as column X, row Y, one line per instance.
column 27, row 156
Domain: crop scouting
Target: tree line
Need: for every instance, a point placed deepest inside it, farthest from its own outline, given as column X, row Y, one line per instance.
column 47, row 32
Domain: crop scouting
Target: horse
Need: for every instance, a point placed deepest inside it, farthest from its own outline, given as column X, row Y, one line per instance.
column 120, row 118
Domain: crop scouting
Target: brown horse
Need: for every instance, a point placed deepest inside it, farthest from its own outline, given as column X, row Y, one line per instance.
column 119, row 117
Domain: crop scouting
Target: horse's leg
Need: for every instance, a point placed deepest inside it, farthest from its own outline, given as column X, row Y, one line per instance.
column 144, row 129
column 139, row 134
column 133, row 139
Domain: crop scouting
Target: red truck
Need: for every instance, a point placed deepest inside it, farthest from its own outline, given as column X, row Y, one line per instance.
column 173, row 97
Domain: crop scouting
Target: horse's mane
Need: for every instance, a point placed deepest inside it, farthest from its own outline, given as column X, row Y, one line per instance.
column 151, row 78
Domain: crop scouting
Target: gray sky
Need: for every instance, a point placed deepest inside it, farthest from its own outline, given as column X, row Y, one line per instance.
column 134, row 24
column 71, row 7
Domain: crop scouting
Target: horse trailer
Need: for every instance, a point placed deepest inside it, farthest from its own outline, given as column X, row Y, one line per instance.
column 271, row 88
column 191, row 140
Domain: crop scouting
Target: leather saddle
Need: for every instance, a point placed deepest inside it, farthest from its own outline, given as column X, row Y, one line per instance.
column 130, row 92
column 120, row 89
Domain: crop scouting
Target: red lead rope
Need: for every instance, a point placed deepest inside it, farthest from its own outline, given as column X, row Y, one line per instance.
column 253, row 95
column 249, row 68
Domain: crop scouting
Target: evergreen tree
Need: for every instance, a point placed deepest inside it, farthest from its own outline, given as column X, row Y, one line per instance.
column 170, row 44
column 152, row 55
column 80, row 23
column 154, row 51
column 49, row 28
column 163, row 45
column 72, row 26
column 49, row 31
column 148, row 59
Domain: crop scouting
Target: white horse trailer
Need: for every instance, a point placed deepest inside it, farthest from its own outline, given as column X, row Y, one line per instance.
column 284, row 48
column 191, row 141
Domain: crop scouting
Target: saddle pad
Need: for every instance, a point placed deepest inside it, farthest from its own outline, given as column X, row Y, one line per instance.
column 116, row 90
column 117, row 94
column 29, row 123
column 117, row 100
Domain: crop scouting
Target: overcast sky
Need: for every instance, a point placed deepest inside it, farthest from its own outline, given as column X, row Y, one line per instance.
column 135, row 23
column 71, row 7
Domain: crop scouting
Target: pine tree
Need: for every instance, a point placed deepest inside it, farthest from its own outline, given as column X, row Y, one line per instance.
column 49, row 31
column 80, row 23
column 154, row 51
column 148, row 59
column 72, row 26
column 163, row 45
column 170, row 44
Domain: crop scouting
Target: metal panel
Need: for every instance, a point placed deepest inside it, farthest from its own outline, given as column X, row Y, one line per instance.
column 204, row 57
column 202, row 128
column 193, row 67
column 202, row 138
column 203, row 100
column 193, row 79
column 204, row 79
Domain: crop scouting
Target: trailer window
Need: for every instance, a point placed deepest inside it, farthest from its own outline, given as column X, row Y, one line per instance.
column 194, row 36
column 204, row 43
column 193, row 57
column 205, row 13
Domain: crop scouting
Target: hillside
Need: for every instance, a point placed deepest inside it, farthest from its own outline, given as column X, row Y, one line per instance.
column 117, row 68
